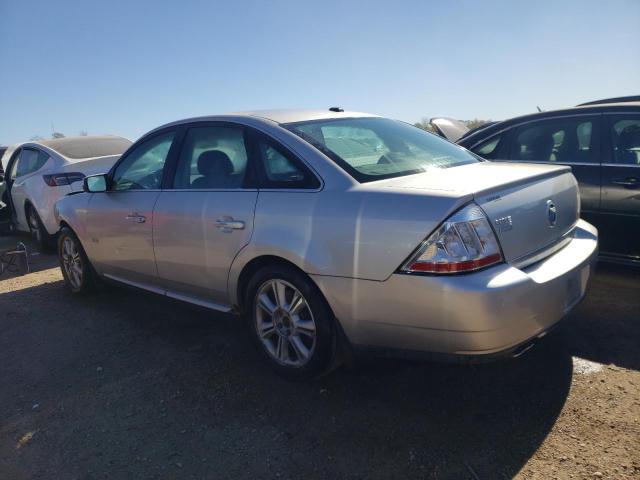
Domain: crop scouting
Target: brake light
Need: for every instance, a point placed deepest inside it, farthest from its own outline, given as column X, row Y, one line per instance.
column 463, row 243
column 59, row 179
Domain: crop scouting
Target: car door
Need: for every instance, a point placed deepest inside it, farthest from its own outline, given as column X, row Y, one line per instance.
column 206, row 217
column 23, row 172
column 120, row 221
column 621, row 186
column 569, row 140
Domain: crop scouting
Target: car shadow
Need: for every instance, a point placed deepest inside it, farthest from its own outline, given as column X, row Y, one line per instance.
column 146, row 377
column 605, row 327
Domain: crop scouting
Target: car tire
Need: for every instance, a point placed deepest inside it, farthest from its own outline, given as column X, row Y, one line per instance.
column 78, row 273
column 39, row 234
column 290, row 321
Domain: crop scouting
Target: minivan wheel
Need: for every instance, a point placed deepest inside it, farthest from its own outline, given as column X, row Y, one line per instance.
column 38, row 233
column 77, row 271
column 290, row 321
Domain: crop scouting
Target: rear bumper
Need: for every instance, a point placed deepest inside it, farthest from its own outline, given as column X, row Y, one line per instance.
column 494, row 311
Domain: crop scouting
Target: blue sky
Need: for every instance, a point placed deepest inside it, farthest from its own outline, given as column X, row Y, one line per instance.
column 125, row 67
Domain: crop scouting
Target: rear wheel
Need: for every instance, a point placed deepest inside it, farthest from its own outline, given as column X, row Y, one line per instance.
column 38, row 233
column 291, row 322
column 77, row 271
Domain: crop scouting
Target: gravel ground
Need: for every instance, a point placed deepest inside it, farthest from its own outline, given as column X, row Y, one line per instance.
column 127, row 385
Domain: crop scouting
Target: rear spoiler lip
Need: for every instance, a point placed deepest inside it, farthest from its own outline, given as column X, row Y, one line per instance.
column 552, row 171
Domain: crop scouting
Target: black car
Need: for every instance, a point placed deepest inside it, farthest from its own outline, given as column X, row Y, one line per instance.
column 599, row 140
column 2, row 150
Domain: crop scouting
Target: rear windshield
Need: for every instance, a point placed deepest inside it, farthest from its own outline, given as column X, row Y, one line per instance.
column 376, row 148
column 77, row 148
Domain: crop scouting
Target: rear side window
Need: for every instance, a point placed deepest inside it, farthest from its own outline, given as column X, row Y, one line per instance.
column 30, row 161
column 568, row 140
column 625, row 138
column 212, row 157
column 282, row 170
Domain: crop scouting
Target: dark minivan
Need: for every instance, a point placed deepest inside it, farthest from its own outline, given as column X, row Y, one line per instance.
column 601, row 142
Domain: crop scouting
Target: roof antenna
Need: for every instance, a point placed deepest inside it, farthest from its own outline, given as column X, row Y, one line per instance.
column 336, row 109
column 539, row 109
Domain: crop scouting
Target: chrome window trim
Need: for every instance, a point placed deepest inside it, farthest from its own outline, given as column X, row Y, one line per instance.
column 624, row 165
column 637, row 112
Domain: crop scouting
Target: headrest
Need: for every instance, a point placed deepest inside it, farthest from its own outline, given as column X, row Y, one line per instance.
column 214, row 162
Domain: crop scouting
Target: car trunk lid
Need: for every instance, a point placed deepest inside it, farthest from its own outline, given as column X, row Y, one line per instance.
column 452, row 130
column 531, row 207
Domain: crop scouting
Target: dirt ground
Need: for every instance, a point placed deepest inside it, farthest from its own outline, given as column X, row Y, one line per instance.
column 127, row 385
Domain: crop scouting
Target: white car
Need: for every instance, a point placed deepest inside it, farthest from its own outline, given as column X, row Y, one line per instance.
column 37, row 174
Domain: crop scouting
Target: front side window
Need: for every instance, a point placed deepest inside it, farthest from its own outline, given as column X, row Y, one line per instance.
column 30, row 161
column 490, row 148
column 376, row 148
column 142, row 168
column 569, row 140
column 212, row 157
column 625, row 138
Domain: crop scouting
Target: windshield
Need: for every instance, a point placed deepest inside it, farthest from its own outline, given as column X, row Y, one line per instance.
column 376, row 148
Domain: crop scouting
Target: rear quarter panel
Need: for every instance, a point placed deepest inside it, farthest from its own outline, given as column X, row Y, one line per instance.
column 357, row 233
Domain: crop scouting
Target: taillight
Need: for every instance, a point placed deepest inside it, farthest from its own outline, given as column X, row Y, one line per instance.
column 463, row 243
column 59, row 179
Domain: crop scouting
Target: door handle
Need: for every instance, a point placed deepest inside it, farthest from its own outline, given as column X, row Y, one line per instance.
column 134, row 217
column 630, row 182
column 229, row 224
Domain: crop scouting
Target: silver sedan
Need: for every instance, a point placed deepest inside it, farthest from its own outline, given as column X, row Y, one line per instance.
column 332, row 230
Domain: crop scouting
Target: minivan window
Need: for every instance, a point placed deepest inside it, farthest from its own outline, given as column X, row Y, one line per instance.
column 376, row 148
column 567, row 140
column 625, row 135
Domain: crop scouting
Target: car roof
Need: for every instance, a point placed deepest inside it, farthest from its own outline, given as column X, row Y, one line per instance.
column 302, row 115
column 484, row 133
column 282, row 116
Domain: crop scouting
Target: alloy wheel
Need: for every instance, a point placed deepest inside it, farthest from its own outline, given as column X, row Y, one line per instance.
column 72, row 262
column 285, row 323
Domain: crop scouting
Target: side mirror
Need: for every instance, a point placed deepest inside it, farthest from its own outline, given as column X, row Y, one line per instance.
column 95, row 183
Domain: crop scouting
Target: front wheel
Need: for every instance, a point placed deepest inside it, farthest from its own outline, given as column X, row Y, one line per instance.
column 291, row 322
column 76, row 269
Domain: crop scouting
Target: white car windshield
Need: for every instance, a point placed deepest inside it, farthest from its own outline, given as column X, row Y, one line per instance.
column 376, row 148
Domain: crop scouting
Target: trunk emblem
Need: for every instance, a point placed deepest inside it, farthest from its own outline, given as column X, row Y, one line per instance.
column 504, row 224
column 552, row 214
